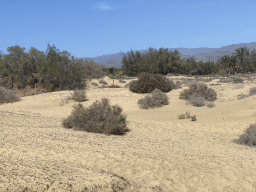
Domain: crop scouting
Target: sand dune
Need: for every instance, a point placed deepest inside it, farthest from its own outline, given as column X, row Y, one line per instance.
column 159, row 153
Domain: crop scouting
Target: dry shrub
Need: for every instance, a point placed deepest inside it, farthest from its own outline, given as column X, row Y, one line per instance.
column 249, row 137
column 8, row 96
column 146, row 83
column 94, row 84
column 225, row 80
column 79, row 95
column 198, row 93
column 210, row 105
column 252, row 91
column 199, row 89
column 197, row 100
column 157, row 99
column 101, row 81
column 182, row 116
column 113, row 86
column 100, row 117
column 122, row 81
column 237, row 79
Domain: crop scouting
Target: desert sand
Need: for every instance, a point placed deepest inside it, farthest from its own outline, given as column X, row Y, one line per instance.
column 159, row 153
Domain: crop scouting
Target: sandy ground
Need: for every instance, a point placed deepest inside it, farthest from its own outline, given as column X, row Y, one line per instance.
column 160, row 153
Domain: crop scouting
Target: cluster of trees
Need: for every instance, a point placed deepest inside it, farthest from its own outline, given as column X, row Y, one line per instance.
column 241, row 61
column 163, row 62
column 52, row 68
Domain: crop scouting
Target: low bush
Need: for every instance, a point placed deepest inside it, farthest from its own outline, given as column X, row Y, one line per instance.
column 146, row 83
column 79, row 95
column 100, row 117
column 101, row 81
column 94, row 84
column 210, row 105
column 182, row 116
column 198, row 93
column 252, row 91
column 237, row 79
column 7, row 96
column 113, row 86
column 249, row 137
column 193, row 118
column 122, row 81
column 157, row 99
column 197, row 100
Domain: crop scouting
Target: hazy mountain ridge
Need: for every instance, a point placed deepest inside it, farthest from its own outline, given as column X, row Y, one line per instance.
column 200, row 54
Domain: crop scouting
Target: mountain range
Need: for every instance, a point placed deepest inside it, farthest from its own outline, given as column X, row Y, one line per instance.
column 200, row 54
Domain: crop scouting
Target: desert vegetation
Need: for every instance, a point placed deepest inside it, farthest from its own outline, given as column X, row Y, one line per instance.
column 249, row 137
column 8, row 96
column 100, row 117
column 147, row 82
column 198, row 93
column 156, row 99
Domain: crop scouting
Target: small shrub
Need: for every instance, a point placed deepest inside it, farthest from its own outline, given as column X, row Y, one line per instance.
column 157, row 99
column 79, row 95
column 8, row 96
column 101, row 81
column 100, row 117
column 242, row 96
column 225, row 80
column 249, row 137
column 114, row 86
column 193, row 118
column 146, row 83
column 237, row 79
column 122, row 81
column 198, row 89
column 197, row 100
column 252, row 91
column 94, row 84
column 210, row 105
column 187, row 115
column 182, row 116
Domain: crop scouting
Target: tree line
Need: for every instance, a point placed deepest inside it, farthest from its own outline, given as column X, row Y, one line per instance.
column 163, row 62
column 52, row 68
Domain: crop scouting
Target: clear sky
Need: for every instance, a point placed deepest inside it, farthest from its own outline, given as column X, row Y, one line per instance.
column 88, row 28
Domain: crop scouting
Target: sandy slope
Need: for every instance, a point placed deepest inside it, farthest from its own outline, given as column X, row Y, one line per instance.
column 160, row 153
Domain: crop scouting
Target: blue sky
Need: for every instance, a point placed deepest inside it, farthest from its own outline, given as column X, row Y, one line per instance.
column 93, row 28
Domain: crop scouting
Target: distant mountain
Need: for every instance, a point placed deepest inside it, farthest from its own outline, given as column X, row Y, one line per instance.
column 200, row 54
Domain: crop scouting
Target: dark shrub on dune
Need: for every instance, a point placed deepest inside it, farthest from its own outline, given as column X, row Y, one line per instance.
column 157, row 99
column 7, row 96
column 100, row 117
column 249, row 137
column 146, row 83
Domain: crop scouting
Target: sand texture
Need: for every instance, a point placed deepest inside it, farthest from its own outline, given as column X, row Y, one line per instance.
column 159, row 153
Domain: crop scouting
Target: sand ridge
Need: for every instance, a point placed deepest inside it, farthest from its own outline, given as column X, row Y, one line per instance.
column 159, row 153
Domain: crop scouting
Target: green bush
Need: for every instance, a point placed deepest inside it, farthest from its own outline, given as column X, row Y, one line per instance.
column 249, row 137
column 197, row 93
column 146, row 83
column 8, row 96
column 79, row 95
column 100, row 117
column 157, row 99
